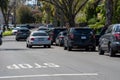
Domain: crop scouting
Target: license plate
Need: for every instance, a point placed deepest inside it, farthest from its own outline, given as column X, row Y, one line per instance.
column 41, row 39
column 83, row 37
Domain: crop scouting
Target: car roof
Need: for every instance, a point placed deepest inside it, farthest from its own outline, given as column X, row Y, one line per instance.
column 39, row 31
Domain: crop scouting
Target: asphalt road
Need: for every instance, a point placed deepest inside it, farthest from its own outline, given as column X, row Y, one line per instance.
column 20, row 63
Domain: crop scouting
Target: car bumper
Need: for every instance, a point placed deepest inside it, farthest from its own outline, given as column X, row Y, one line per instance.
column 82, row 45
column 116, row 46
column 40, row 43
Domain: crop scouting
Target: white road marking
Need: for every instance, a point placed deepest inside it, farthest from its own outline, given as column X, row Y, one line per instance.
column 49, row 75
column 33, row 66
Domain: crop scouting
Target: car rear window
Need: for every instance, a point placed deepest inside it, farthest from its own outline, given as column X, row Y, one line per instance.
column 39, row 34
column 59, row 30
column 24, row 30
column 117, row 29
column 83, row 31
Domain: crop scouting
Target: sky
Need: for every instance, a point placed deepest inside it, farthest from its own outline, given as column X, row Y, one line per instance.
column 31, row 2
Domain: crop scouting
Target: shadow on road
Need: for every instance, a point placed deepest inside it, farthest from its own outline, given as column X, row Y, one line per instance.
column 40, row 47
column 12, row 49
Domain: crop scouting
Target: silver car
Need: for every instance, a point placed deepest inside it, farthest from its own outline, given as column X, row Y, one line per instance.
column 38, row 38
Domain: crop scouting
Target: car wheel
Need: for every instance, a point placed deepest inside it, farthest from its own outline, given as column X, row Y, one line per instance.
column 69, row 48
column 44, row 46
column 65, row 48
column 17, row 39
column 93, row 49
column 112, row 52
column 49, row 46
column 87, row 49
column 101, row 52
column 29, row 46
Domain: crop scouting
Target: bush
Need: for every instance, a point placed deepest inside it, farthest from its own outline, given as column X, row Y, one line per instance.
column 7, row 33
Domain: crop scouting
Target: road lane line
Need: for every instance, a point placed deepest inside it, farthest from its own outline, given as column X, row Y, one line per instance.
column 49, row 75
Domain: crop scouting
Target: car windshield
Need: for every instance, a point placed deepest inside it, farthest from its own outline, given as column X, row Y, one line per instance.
column 83, row 31
column 39, row 34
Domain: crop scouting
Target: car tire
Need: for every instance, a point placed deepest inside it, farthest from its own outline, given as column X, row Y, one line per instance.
column 93, row 49
column 44, row 46
column 29, row 46
column 101, row 52
column 69, row 48
column 17, row 39
column 87, row 49
column 49, row 46
column 112, row 52
column 65, row 48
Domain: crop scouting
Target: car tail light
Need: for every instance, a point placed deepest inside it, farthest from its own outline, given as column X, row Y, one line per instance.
column 49, row 38
column 71, row 36
column 61, row 36
column 32, row 39
column 117, row 36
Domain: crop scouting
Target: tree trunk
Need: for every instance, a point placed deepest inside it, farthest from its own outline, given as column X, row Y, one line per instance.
column 109, row 11
column 71, row 20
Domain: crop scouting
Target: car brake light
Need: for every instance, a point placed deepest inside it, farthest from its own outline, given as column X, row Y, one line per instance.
column 32, row 39
column 117, row 36
column 49, row 38
column 61, row 36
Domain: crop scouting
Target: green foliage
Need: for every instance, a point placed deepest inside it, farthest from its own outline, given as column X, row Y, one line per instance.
column 7, row 33
column 38, row 17
column 24, row 15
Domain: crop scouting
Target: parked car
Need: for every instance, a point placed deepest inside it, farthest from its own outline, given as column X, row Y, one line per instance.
column 102, row 32
column 60, row 38
column 15, row 30
column 22, row 33
column 42, row 28
column 0, row 40
column 50, row 26
column 54, row 32
column 1, row 30
column 110, row 41
column 38, row 38
column 80, row 38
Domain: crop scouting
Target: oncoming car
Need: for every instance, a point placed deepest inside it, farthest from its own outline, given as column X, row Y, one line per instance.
column 38, row 38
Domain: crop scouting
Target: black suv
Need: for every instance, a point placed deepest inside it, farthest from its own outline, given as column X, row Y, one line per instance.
column 54, row 32
column 22, row 33
column 80, row 38
column 110, row 41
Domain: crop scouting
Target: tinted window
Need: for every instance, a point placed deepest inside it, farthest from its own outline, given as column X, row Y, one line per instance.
column 117, row 29
column 39, row 34
column 59, row 30
column 24, row 30
column 82, row 31
column 42, row 29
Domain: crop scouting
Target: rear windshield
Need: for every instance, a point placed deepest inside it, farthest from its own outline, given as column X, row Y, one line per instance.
column 24, row 30
column 39, row 34
column 59, row 30
column 117, row 29
column 42, row 29
column 83, row 31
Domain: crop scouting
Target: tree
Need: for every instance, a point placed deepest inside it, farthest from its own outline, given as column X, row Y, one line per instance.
column 24, row 15
column 4, row 9
column 69, row 8
column 109, row 12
